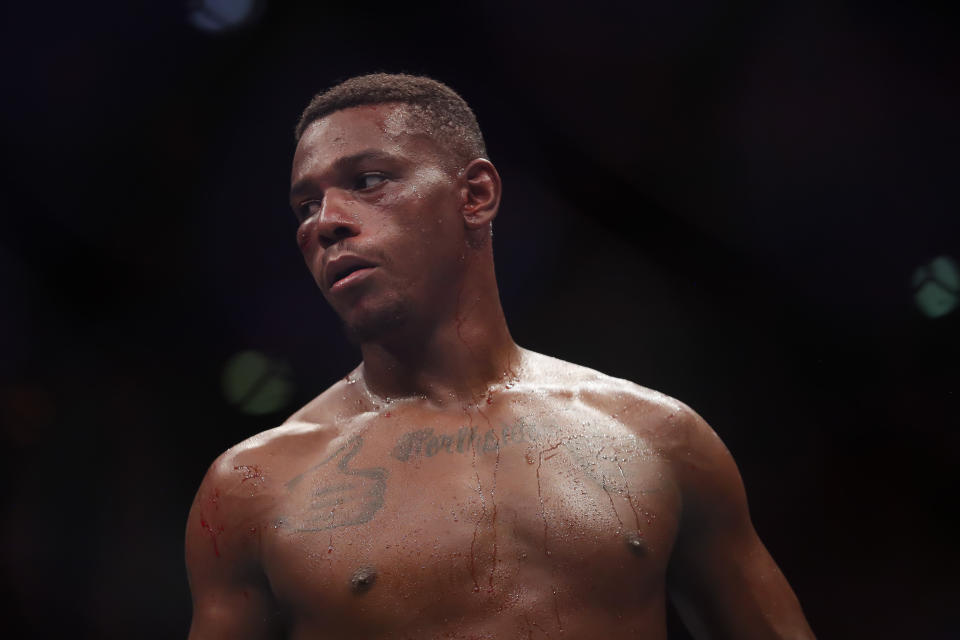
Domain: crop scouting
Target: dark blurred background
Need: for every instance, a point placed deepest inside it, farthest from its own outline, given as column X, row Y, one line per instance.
column 751, row 206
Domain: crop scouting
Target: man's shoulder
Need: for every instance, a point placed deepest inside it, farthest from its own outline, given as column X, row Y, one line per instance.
column 309, row 423
column 270, row 443
column 645, row 411
column 548, row 375
column 700, row 462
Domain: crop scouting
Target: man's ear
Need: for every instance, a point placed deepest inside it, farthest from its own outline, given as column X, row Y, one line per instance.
column 480, row 193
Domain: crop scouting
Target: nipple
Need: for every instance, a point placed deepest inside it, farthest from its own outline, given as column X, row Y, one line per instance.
column 362, row 579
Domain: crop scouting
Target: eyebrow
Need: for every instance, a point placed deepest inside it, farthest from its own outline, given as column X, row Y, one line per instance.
column 338, row 166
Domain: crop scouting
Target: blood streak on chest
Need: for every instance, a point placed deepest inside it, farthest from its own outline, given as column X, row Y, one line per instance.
column 493, row 443
column 629, row 498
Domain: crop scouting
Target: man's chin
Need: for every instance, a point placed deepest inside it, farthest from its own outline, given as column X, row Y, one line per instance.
column 375, row 325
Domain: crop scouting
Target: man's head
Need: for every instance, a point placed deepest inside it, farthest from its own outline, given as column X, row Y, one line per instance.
column 395, row 200
column 433, row 107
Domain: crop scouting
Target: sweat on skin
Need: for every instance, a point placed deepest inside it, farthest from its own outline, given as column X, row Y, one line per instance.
column 455, row 484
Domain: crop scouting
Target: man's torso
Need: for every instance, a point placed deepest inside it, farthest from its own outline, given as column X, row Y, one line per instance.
column 545, row 508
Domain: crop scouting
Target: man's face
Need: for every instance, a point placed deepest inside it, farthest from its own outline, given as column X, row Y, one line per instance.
column 380, row 228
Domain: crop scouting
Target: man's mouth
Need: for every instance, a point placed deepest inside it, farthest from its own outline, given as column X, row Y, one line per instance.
column 344, row 270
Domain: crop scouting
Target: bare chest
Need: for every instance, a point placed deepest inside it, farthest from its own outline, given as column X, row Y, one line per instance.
column 403, row 521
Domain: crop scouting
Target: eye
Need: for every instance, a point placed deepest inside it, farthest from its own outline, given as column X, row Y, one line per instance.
column 306, row 209
column 369, row 180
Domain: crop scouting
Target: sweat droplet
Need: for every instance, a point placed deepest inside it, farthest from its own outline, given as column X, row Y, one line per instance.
column 636, row 544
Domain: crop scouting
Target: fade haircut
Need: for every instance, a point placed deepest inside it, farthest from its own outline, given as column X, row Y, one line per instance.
column 435, row 108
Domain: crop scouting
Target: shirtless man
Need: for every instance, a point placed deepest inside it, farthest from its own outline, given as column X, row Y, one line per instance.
column 455, row 485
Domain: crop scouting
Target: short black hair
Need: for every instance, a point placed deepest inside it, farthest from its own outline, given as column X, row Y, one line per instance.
column 440, row 110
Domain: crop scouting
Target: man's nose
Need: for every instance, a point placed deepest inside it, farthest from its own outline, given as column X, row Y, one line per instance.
column 335, row 221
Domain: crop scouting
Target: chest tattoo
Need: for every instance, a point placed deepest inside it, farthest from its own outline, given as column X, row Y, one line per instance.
column 334, row 494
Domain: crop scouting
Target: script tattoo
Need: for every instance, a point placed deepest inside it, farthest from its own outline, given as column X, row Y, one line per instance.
column 427, row 443
column 596, row 454
column 339, row 499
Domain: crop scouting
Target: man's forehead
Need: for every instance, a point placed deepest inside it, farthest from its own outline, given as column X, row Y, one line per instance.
column 389, row 127
column 389, row 122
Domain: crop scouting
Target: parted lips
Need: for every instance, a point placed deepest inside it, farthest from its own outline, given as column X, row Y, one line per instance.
column 342, row 266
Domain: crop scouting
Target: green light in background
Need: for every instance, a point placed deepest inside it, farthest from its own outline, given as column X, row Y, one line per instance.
column 257, row 384
column 937, row 287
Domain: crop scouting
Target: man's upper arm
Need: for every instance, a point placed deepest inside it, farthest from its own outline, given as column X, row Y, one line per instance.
column 721, row 578
column 231, row 596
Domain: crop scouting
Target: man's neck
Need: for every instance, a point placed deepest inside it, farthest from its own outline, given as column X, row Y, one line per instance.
column 459, row 360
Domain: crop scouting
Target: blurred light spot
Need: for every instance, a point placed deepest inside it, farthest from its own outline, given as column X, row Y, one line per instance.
column 257, row 384
column 223, row 15
column 937, row 287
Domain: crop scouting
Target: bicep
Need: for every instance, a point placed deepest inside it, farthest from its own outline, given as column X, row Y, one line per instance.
column 231, row 596
column 234, row 612
column 722, row 580
column 726, row 585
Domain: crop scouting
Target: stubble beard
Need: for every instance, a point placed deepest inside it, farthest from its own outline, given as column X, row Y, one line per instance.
column 378, row 324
